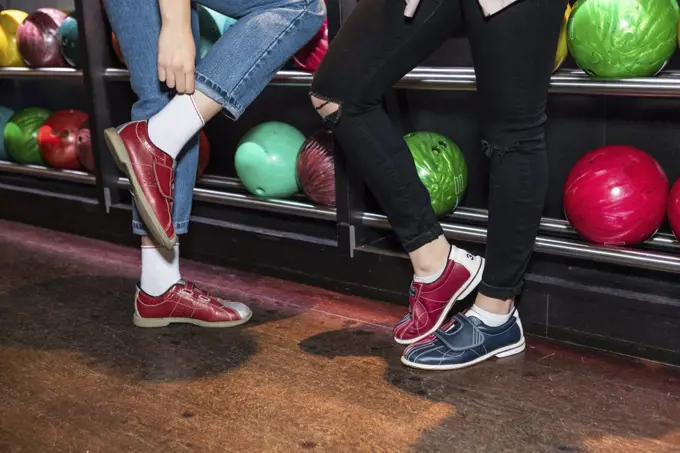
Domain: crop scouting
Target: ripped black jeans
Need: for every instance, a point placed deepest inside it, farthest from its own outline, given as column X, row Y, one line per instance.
column 514, row 54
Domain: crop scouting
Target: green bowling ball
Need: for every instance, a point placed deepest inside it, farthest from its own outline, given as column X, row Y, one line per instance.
column 5, row 114
column 266, row 159
column 623, row 38
column 441, row 168
column 21, row 135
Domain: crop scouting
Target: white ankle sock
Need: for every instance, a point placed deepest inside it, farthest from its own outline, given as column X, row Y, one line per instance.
column 171, row 128
column 488, row 318
column 432, row 277
column 160, row 269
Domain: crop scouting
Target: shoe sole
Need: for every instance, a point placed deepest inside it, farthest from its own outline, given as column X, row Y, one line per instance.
column 122, row 158
column 462, row 293
column 164, row 322
column 505, row 351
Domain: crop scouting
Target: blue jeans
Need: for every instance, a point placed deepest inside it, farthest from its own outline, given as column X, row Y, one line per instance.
column 239, row 66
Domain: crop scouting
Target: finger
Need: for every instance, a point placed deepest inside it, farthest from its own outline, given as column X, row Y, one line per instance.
column 191, row 82
column 180, row 82
column 161, row 73
column 170, row 79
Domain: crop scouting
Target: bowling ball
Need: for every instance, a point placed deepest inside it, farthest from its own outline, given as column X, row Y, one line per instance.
column 623, row 38
column 441, row 168
column 9, row 52
column 58, row 139
column 674, row 209
column 38, row 38
column 616, row 195
column 116, row 48
column 316, row 168
column 211, row 26
column 562, row 46
column 203, row 154
column 68, row 35
column 5, row 115
column 266, row 157
column 84, row 147
column 21, row 135
column 309, row 57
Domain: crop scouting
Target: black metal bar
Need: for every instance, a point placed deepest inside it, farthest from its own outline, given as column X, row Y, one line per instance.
column 49, row 73
column 94, row 44
column 239, row 200
column 48, row 173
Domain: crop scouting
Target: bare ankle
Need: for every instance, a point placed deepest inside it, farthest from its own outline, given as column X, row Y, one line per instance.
column 431, row 257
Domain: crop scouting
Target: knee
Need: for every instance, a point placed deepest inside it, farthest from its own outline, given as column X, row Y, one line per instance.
column 525, row 134
column 328, row 109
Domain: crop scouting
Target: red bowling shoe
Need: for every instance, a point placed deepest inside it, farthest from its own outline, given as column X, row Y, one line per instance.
column 151, row 173
column 431, row 302
column 186, row 303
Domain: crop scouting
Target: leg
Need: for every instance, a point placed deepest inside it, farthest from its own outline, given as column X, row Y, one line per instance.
column 373, row 50
column 137, row 25
column 235, row 71
column 514, row 55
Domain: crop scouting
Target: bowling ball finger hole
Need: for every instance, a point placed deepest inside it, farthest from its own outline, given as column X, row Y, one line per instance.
column 259, row 191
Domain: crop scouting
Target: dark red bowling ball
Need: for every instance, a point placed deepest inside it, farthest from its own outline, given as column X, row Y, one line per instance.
column 84, row 147
column 674, row 209
column 203, row 154
column 58, row 139
column 616, row 195
column 316, row 168
column 38, row 38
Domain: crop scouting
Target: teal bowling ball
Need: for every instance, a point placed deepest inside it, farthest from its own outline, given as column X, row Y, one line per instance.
column 5, row 114
column 68, row 35
column 266, row 159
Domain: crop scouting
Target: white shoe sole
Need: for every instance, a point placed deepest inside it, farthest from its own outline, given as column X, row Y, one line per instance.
column 164, row 322
column 505, row 351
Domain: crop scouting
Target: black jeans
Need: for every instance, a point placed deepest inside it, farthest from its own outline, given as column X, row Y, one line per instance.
column 513, row 53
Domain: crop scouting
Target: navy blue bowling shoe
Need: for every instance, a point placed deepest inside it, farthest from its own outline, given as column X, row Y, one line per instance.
column 465, row 341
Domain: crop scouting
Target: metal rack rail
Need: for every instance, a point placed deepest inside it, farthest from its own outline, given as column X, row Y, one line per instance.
column 28, row 73
column 565, row 81
column 230, row 192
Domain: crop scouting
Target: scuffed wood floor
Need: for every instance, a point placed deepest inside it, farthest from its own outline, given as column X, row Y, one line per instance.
column 314, row 371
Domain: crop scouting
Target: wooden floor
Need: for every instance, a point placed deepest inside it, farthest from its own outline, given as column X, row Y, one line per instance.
column 314, row 371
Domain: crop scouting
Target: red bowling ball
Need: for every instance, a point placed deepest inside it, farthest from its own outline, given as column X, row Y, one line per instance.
column 616, row 195
column 38, row 38
column 58, row 139
column 674, row 209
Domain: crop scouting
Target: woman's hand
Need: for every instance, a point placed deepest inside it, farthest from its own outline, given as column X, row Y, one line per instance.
column 177, row 57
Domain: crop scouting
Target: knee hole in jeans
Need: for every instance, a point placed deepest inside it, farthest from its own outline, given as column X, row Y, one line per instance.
column 329, row 109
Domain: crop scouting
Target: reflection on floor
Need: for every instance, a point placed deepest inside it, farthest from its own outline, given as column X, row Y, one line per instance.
column 313, row 371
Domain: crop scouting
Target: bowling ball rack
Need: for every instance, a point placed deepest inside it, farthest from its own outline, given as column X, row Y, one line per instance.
column 334, row 246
